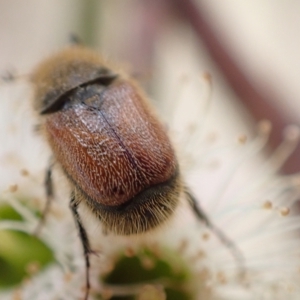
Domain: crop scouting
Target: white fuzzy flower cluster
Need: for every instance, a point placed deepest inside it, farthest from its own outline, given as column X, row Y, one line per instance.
column 236, row 185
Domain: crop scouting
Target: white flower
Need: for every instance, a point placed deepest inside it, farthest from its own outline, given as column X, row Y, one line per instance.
column 236, row 185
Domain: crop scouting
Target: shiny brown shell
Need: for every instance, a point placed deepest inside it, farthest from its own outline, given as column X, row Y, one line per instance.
column 107, row 139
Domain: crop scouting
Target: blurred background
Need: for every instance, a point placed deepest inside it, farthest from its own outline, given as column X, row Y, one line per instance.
column 251, row 49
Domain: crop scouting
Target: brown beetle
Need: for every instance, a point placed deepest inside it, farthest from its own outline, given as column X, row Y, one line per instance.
column 109, row 143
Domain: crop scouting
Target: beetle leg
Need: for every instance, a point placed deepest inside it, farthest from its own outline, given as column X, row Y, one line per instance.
column 49, row 197
column 201, row 215
column 84, row 241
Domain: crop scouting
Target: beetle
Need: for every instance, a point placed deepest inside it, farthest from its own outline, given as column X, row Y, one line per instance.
column 110, row 144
